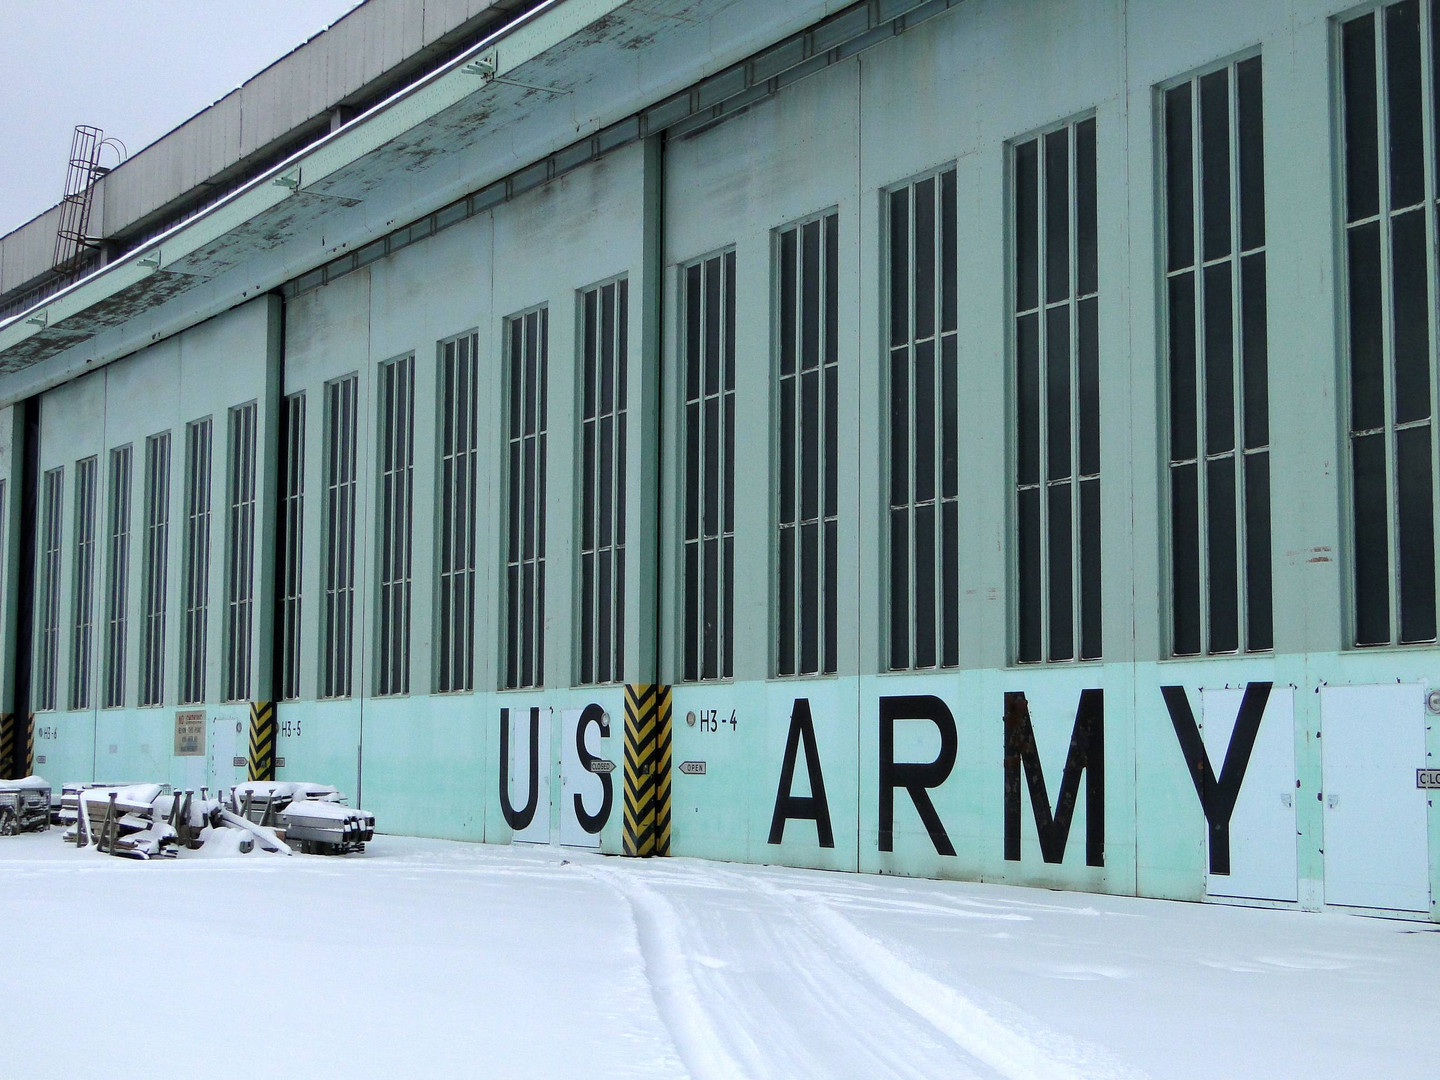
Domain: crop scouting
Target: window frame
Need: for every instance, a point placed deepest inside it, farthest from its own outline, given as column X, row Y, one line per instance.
column 1075, row 478
column 336, row 615
column 1385, row 213
column 727, row 257
column 511, row 634
column 1236, row 259
column 465, row 477
column 587, row 668
column 827, row 447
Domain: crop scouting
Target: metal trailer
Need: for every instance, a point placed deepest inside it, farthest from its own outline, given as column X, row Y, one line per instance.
column 24, row 806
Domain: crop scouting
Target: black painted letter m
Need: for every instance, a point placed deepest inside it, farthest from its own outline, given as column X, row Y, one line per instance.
column 1087, row 755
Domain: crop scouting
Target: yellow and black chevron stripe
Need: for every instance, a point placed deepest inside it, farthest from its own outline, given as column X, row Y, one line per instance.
column 647, row 770
column 28, row 765
column 8, row 735
column 262, row 740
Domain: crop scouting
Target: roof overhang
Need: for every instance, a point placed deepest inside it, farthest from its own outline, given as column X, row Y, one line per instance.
column 558, row 74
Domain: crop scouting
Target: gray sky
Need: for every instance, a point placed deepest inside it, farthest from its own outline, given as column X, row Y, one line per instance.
column 135, row 68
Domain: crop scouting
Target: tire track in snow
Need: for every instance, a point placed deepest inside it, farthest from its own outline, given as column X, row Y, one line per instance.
column 815, row 1012
column 1009, row 1052
column 672, row 985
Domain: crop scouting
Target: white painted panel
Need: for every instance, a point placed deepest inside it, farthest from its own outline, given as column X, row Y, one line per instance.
column 577, row 780
column 225, row 742
column 1376, row 850
column 1262, row 826
column 538, row 830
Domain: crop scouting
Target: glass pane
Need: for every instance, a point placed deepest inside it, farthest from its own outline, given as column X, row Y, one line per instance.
column 1057, row 215
column 949, row 419
column 950, row 582
column 712, row 357
column 1372, row 561
column 785, row 603
column 1182, row 367
column 786, row 450
column 1367, row 365
column 1057, row 393
column 1179, row 179
column 925, row 586
column 900, row 266
column 1090, row 598
column 949, row 291
column 1185, row 559
column 925, row 258
column 1221, row 555
column 1412, row 316
column 1062, row 614
column 1251, row 140
column 1086, row 219
column 1259, row 631
column 899, row 589
column 1362, row 151
column 1027, row 557
column 832, row 637
column 1027, row 393
column 810, row 288
column 1215, row 163
column 810, row 445
column 1219, row 361
column 1255, row 375
column 1088, row 365
column 809, row 614
column 899, row 427
column 1416, row 540
column 924, row 420
column 1027, row 226
column 1404, row 98
column 693, row 331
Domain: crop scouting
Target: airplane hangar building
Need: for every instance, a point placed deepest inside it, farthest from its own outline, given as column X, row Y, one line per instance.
column 982, row 439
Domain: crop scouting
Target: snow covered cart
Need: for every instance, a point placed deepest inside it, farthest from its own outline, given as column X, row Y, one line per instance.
column 24, row 805
column 313, row 818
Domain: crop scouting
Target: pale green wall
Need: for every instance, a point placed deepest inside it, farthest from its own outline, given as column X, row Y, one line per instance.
column 954, row 90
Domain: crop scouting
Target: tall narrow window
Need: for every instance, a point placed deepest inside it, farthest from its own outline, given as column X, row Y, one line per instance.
column 459, row 455
column 397, row 462
column 339, row 613
column 240, row 552
column 808, row 443
column 292, row 522
column 1391, row 98
column 602, row 484
column 923, row 466
column 86, row 483
column 117, row 577
column 1219, row 408
column 708, row 309
column 47, row 596
column 1056, row 346
column 527, row 346
column 157, row 553
column 195, row 587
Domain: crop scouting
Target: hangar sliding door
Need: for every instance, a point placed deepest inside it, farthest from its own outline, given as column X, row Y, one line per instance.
column 1376, row 819
column 1262, row 824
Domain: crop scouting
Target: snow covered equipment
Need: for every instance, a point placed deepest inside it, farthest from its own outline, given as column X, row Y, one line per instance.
column 122, row 821
column 24, row 806
column 313, row 818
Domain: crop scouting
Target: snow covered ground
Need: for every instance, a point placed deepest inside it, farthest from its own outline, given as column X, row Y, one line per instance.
column 432, row 959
